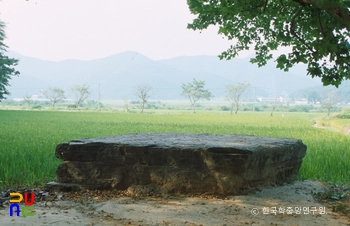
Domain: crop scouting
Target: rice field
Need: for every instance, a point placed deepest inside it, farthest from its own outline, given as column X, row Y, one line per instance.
column 28, row 138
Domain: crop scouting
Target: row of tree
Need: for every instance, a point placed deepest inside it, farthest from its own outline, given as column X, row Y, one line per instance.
column 55, row 95
column 194, row 91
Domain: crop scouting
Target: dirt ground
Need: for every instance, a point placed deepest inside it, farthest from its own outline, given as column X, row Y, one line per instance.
column 291, row 204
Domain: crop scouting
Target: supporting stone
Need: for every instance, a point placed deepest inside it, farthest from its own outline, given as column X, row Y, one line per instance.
column 178, row 163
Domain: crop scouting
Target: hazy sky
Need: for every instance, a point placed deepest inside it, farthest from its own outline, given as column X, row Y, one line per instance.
column 89, row 29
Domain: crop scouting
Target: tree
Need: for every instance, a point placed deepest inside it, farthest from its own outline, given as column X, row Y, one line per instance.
column 126, row 104
column 234, row 93
column 330, row 99
column 316, row 30
column 274, row 105
column 6, row 65
column 81, row 93
column 54, row 95
column 142, row 92
column 27, row 99
column 195, row 91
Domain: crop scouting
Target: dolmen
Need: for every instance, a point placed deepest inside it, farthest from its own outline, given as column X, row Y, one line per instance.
column 178, row 163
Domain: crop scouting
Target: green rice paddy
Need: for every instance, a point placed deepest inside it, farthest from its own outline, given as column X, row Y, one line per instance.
column 28, row 138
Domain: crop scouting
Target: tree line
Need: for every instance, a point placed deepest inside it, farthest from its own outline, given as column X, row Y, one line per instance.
column 55, row 94
column 194, row 91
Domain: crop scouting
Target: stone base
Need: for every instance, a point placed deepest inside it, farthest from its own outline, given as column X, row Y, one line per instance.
column 178, row 163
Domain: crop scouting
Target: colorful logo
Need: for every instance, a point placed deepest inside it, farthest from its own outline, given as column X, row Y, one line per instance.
column 26, row 211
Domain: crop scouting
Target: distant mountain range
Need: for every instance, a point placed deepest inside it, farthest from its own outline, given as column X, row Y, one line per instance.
column 119, row 74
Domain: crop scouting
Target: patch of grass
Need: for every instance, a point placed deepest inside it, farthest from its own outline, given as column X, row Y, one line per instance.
column 335, row 197
column 345, row 114
column 29, row 138
column 336, row 123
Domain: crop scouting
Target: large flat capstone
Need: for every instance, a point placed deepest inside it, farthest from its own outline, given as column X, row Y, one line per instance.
column 178, row 163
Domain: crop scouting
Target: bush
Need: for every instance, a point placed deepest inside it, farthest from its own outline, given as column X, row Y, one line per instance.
column 72, row 106
column 264, row 106
column 93, row 104
column 151, row 105
column 225, row 108
column 345, row 114
column 301, row 108
column 37, row 106
column 134, row 102
column 9, row 103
